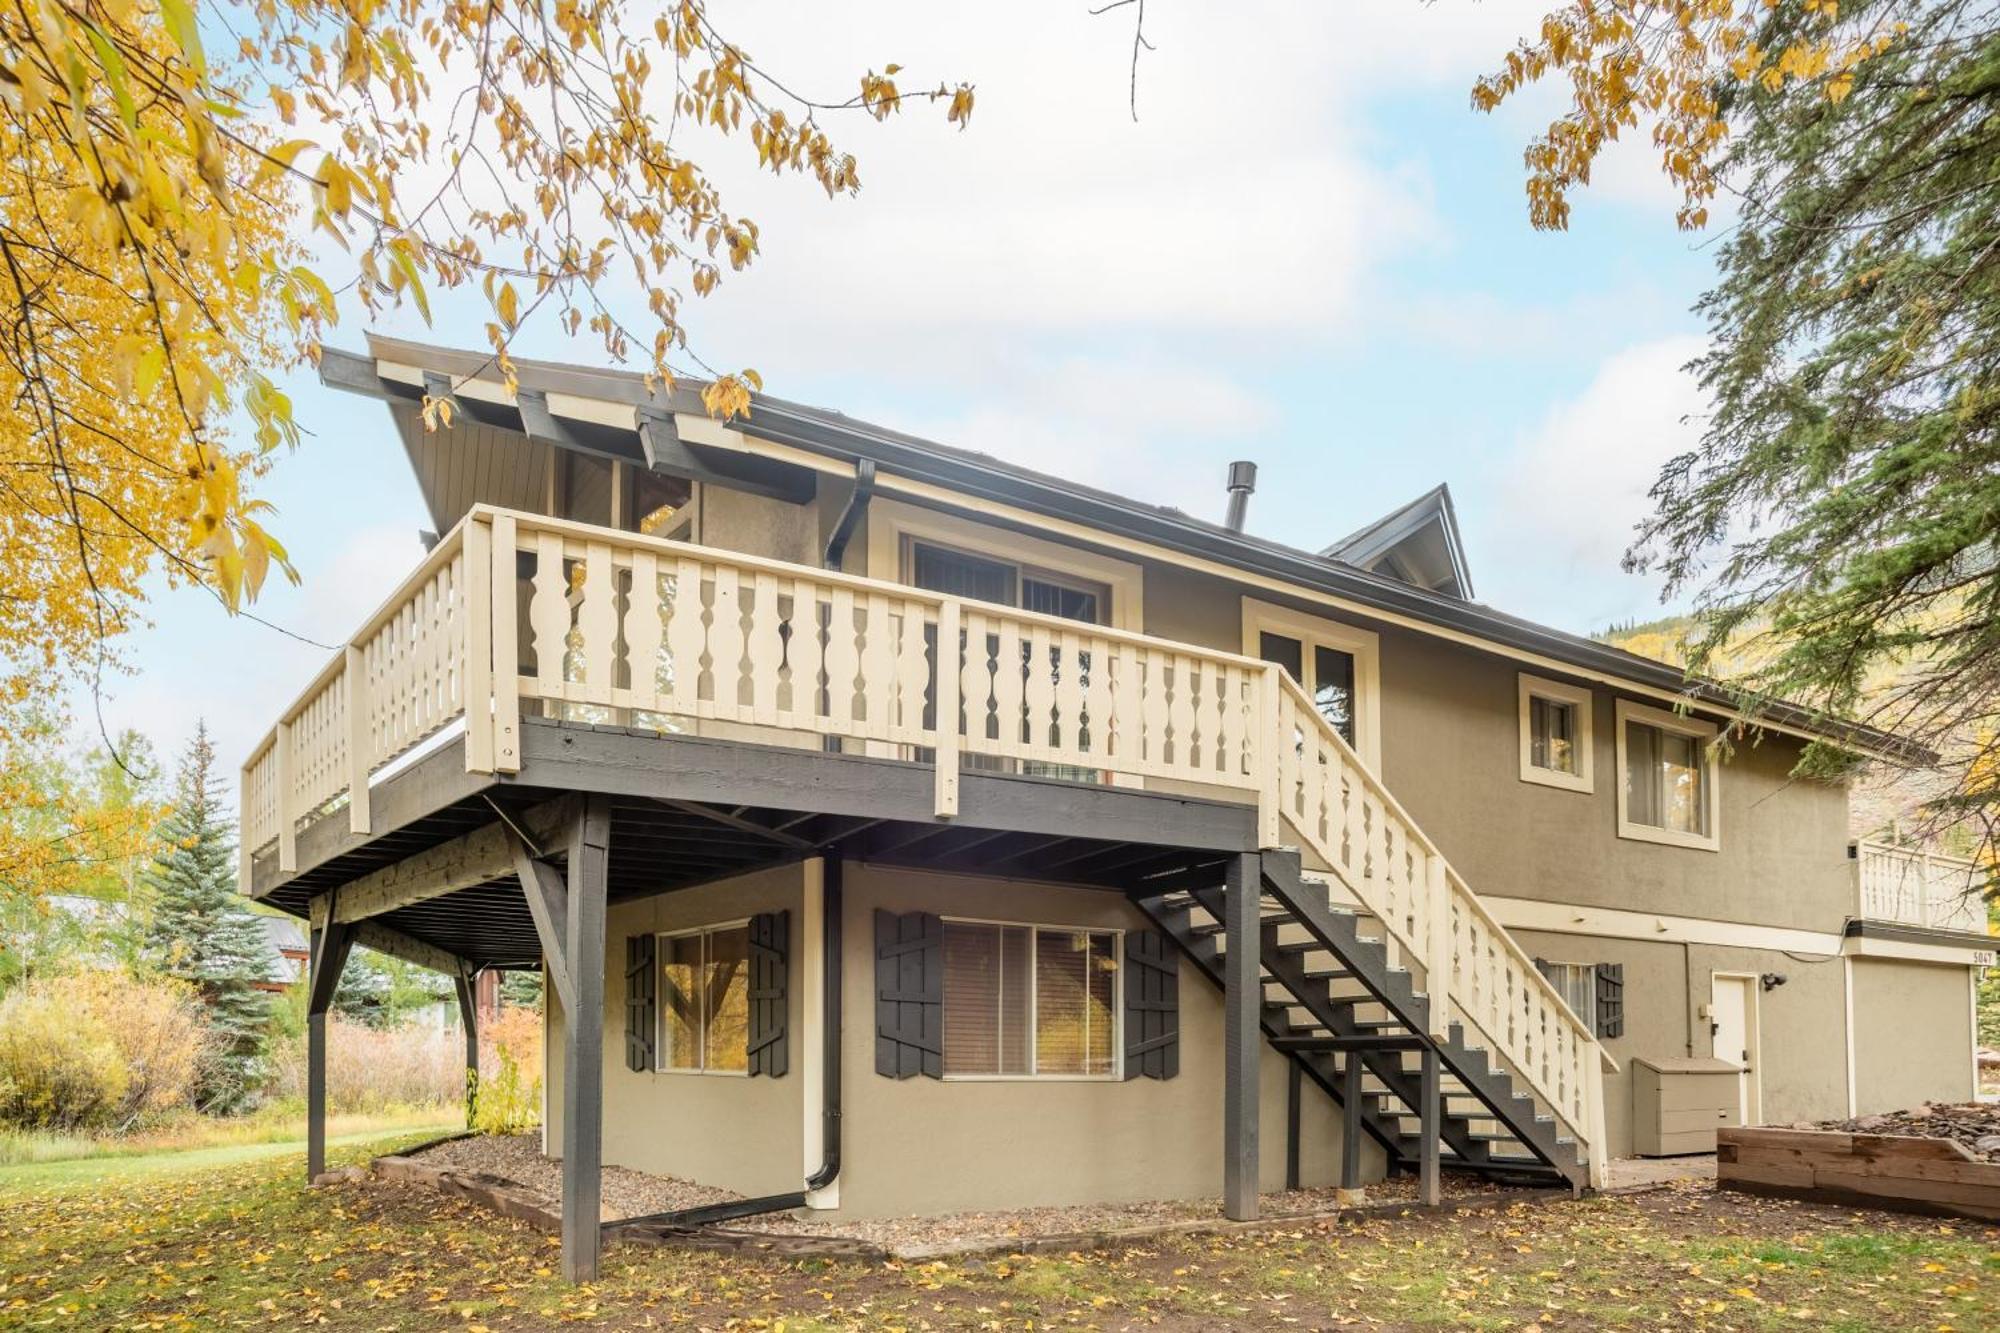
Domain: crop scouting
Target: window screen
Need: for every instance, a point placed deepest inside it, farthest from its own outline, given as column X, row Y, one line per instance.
column 957, row 574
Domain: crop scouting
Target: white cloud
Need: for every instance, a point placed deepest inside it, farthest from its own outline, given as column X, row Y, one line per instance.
column 1574, row 489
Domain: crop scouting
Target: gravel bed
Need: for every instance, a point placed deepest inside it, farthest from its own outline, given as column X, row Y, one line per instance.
column 627, row 1193
column 518, row 1157
column 906, row 1235
column 1974, row 1124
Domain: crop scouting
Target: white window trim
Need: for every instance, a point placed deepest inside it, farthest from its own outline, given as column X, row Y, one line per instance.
column 1628, row 711
column 1579, row 698
column 1117, row 1074
column 660, row 1005
column 1589, row 970
column 891, row 521
column 1365, row 646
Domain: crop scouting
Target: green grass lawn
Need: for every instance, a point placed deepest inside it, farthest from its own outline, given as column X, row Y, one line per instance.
column 230, row 1238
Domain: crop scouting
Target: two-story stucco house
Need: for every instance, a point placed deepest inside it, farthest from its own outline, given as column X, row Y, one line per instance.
column 904, row 831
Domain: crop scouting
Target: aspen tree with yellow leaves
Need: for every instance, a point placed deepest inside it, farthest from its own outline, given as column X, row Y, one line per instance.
column 195, row 192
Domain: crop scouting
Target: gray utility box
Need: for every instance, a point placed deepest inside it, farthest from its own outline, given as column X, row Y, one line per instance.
column 1679, row 1101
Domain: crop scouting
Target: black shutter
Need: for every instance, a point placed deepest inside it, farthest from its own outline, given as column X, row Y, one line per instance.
column 642, row 1005
column 1152, row 1005
column 1611, row 999
column 770, row 963
column 909, row 994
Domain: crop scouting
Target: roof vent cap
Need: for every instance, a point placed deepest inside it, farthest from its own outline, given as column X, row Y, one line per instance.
column 1242, row 481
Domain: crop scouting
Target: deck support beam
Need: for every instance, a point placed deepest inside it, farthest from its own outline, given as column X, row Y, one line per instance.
column 1351, row 1095
column 1294, row 1094
column 1242, row 1036
column 583, row 1043
column 466, row 982
column 328, row 946
column 1430, row 1191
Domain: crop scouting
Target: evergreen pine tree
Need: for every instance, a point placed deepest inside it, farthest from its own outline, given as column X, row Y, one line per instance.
column 202, row 932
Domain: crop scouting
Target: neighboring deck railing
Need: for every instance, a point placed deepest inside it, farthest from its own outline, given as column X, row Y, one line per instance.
column 1916, row 888
column 515, row 613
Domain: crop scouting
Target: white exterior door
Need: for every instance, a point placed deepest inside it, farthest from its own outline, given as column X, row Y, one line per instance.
column 1732, row 1016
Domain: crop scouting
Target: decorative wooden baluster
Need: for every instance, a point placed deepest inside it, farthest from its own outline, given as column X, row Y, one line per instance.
column 725, row 644
column 1153, row 696
column 1094, row 723
column 1118, row 716
column 687, row 636
column 975, row 681
column 1067, row 733
column 1180, row 715
column 878, row 667
column 804, row 653
column 548, row 616
column 765, row 650
column 645, row 632
column 1009, row 681
column 843, row 662
column 1038, row 690
column 913, row 671
column 597, row 625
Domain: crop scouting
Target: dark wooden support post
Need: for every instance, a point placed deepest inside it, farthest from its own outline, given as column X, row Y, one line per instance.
column 327, row 957
column 466, row 982
column 1429, row 1191
column 1243, row 999
column 583, row 1044
column 1294, row 1077
column 1350, row 1121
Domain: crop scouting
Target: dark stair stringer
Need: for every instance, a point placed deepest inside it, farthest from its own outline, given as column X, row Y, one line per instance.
column 1542, row 1153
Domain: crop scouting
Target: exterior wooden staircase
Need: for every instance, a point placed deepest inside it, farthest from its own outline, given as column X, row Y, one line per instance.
column 1359, row 1026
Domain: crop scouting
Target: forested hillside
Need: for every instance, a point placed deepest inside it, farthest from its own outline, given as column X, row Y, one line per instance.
column 1880, row 799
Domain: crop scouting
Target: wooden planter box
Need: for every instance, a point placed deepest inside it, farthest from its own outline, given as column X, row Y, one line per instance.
column 1893, row 1171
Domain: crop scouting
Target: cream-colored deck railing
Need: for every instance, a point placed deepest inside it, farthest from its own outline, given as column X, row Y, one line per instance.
column 613, row 626
column 1916, row 888
column 1473, row 970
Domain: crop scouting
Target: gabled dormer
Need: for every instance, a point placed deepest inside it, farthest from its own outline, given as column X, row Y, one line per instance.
column 1417, row 543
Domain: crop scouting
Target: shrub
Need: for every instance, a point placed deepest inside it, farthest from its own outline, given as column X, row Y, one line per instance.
column 509, row 1096
column 99, row 1049
column 376, row 1069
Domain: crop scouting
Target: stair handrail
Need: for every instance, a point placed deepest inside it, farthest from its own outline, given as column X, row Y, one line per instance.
column 1429, row 911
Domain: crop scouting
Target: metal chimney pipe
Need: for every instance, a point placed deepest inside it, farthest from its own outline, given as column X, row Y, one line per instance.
column 1242, row 481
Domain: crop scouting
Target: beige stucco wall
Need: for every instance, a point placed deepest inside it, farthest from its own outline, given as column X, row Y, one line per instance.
column 1912, row 1034
column 1802, row 1024
column 922, row 1145
column 740, row 1133
column 927, row 1145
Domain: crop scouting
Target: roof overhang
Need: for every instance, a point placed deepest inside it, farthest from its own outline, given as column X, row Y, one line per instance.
column 796, row 438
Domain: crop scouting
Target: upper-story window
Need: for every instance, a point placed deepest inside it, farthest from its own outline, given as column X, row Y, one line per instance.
column 1338, row 665
column 961, row 574
column 1667, row 790
column 1555, row 734
column 587, row 488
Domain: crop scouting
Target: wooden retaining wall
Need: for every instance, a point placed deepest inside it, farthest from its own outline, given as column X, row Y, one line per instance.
column 1893, row 1171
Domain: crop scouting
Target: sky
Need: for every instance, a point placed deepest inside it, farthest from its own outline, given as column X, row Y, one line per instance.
column 1307, row 251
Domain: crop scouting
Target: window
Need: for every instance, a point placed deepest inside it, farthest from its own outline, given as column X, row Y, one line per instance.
column 705, row 994
column 1029, row 1001
column 1577, row 984
column 1555, row 734
column 1667, row 778
column 959, row 574
column 1337, row 665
